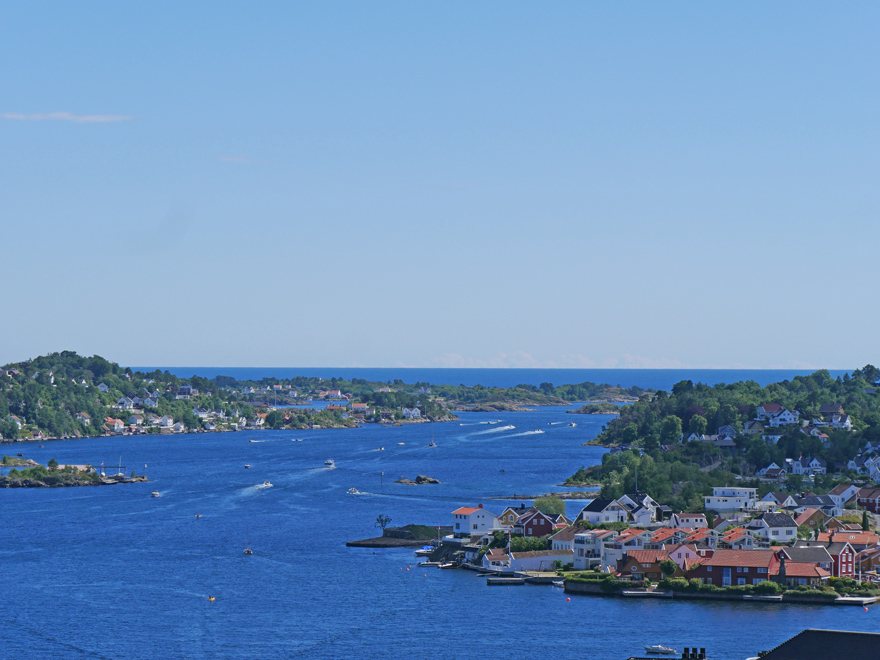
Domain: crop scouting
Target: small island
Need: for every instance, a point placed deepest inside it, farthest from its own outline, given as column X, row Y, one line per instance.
column 55, row 475
column 420, row 480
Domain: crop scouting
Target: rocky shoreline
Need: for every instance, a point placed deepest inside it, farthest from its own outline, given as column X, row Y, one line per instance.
column 66, row 481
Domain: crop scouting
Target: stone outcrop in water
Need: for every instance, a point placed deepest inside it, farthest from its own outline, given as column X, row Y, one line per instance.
column 420, row 480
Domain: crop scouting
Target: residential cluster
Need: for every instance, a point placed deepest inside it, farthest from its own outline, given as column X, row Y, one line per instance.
column 794, row 540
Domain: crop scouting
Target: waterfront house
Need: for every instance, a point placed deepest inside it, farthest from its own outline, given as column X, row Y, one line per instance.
column 136, row 420
column 601, row 511
column 774, row 527
column 727, row 499
column 114, row 424
column 539, row 560
column 178, row 427
column 728, row 567
column 496, row 558
column 810, row 554
column 210, row 426
column 469, row 520
column 84, row 418
column 798, row 574
column 166, row 422
column 643, row 565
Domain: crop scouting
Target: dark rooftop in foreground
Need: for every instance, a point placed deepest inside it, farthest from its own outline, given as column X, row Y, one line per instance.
column 813, row 644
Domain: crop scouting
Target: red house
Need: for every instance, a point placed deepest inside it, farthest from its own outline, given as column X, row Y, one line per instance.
column 534, row 523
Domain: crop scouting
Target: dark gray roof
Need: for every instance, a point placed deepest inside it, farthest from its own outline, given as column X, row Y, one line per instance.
column 777, row 520
column 597, row 505
column 815, row 500
column 815, row 644
column 816, row 553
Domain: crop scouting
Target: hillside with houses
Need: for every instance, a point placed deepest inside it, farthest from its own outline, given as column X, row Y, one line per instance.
column 804, row 546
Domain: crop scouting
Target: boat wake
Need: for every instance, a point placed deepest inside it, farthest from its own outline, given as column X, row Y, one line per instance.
column 539, row 431
column 499, row 429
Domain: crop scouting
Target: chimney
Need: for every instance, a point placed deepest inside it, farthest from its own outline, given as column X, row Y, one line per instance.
column 480, row 506
column 686, row 654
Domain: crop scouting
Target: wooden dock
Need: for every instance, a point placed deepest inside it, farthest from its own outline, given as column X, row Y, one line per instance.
column 504, row 581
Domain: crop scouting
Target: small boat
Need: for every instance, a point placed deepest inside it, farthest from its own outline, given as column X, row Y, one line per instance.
column 381, row 449
column 424, row 551
column 211, row 598
column 251, row 440
column 248, row 551
column 156, row 493
column 329, row 463
column 658, row 649
column 354, row 491
column 401, row 443
column 447, row 564
column 198, row 515
column 247, row 465
column 572, row 424
column 20, row 454
column 432, row 444
column 267, row 484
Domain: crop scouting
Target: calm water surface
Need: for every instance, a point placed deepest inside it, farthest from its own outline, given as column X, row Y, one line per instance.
column 110, row 572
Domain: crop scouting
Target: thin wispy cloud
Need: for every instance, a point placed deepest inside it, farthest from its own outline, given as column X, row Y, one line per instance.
column 64, row 116
column 240, row 159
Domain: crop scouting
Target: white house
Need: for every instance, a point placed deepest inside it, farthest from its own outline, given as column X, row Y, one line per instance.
column 84, row 418
column 472, row 521
column 539, row 560
column 766, row 411
column 136, row 420
column 564, row 539
column 774, row 527
column 103, row 387
column 602, row 511
column 726, row 499
column 166, row 422
column 841, row 422
column 496, row 558
column 688, row 521
column 784, row 418
column 178, row 427
column 589, row 545
column 843, row 493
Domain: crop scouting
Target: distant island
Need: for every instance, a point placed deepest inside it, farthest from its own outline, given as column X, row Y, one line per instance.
column 66, row 395
column 53, row 475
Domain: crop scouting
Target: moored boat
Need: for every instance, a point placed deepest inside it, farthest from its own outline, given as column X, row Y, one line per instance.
column 659, row 649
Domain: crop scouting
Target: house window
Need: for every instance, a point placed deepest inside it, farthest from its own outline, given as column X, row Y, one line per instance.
column 709, row 569
column 741, row 581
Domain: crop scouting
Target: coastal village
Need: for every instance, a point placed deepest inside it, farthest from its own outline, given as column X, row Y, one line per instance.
column 804, row 542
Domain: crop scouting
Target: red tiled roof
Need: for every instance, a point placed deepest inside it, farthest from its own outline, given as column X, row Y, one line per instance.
column 466, row 510
column 771, row 407
column 805, row 516
column 748, row 558
column 800, row 569
column 647, row 556
column 866, row 538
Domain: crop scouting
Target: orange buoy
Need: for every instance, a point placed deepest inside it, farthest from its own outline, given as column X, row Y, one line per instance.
column 567, row 600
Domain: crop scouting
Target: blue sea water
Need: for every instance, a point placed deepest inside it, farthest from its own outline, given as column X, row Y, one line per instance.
column 658, row 379
column 109, row 572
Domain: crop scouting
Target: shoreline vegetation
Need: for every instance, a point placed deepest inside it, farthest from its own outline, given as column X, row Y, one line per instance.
column 53, row 475
column 408, row 536
column 683, row 443
column 65, row 395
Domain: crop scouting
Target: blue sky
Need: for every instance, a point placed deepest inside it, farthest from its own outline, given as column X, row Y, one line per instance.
column 354, row 184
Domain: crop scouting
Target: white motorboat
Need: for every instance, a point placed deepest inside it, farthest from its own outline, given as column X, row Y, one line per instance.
column 659, row 649
column 354, row 491
column 329, row 463
column 156, row 493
